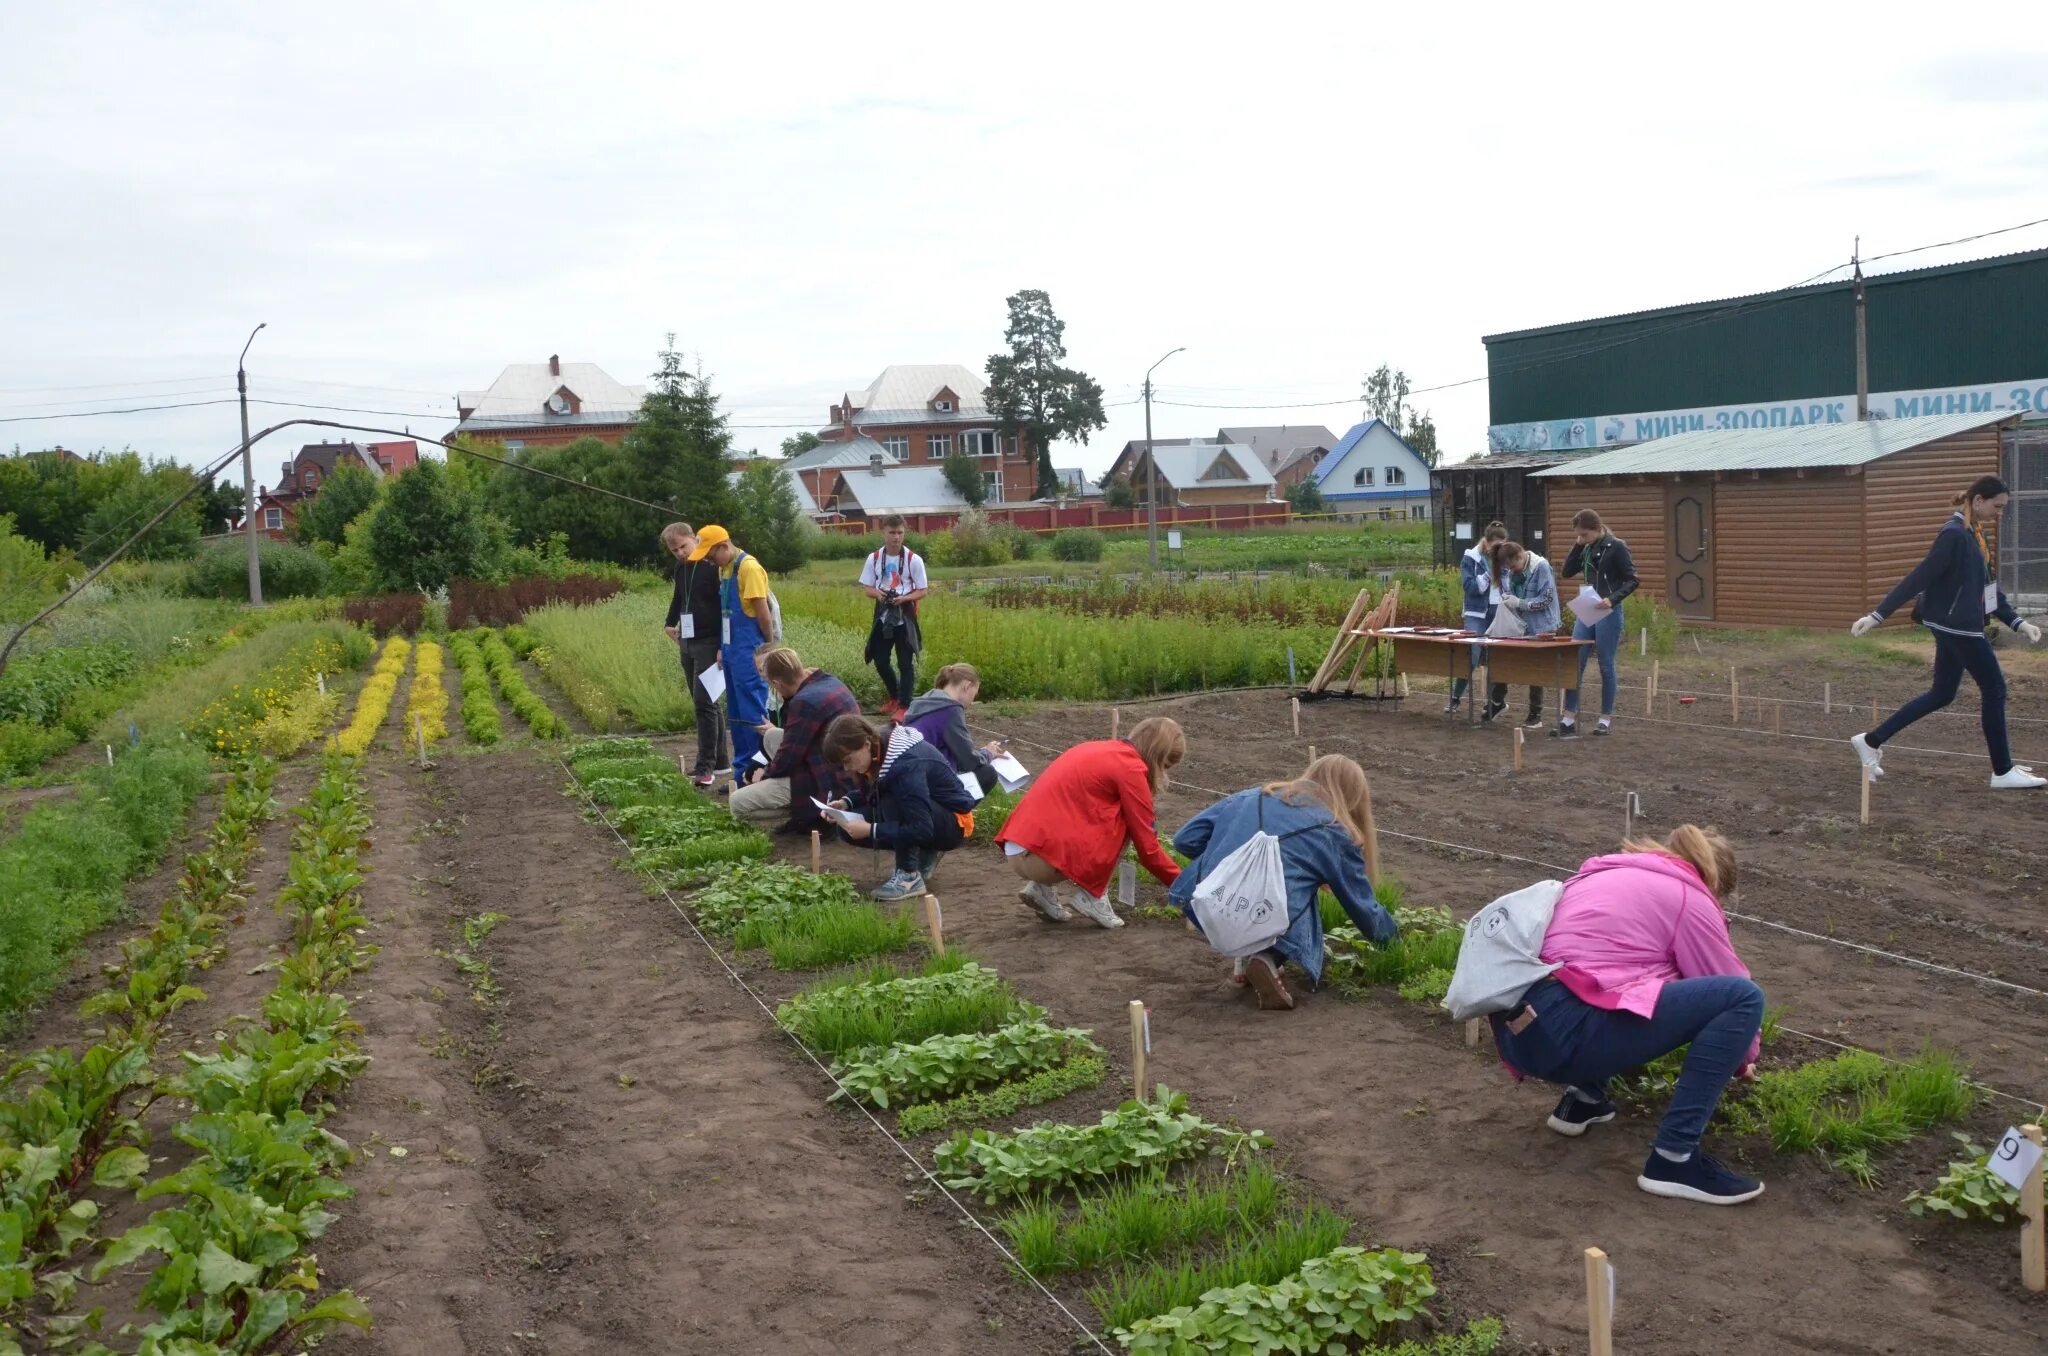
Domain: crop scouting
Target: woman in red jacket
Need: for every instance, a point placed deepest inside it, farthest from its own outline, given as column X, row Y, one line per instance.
column 1072, row 824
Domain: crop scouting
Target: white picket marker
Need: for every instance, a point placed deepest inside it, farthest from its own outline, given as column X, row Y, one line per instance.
column 1141, row 1045
column 1644, row 648
column 419, row 734
column 1631, row 809
column 1127, row 883
column 935, row 920
column 321, row 680
column 1295, row 704
column 110, row 755
column 817, row 864
column 2017, row 1161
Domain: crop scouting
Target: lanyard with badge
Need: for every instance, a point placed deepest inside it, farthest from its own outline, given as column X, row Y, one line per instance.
column 689, row 620
column 1991, row 588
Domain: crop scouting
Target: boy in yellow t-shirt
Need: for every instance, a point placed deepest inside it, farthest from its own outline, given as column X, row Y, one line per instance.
column 748, row 622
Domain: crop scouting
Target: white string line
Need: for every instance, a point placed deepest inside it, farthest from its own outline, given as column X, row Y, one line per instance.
column 1530, row 861
column 1846, row 706
column 797, row 1041
column 1980, row 755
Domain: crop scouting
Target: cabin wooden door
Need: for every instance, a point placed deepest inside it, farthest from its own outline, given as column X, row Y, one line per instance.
column 1689, row 532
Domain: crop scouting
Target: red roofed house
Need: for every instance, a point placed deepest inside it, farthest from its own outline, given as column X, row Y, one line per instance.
column 304, row 474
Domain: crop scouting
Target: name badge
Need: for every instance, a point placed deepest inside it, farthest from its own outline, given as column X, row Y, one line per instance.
column 689, row 627
column 725, row 634
column 1991, row 598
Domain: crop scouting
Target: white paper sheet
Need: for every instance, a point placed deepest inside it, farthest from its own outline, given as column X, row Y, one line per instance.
column 761, row 757
column 972, row 785
column 1586, row 607
column 2014, row 1158
column 1012, row 773
column 845, row 817
column 713, row 680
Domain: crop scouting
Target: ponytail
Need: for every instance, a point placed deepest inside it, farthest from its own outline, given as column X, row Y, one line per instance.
column 1984, row 487
column 957, row 673
column 1588, row 521
column 1707, row 851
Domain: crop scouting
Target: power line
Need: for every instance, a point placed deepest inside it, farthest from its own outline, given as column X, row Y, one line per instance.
column 133, row 409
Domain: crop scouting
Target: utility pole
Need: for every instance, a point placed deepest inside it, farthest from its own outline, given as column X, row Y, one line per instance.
column 249, row 478
column 1862, row 339
column 1152, row 471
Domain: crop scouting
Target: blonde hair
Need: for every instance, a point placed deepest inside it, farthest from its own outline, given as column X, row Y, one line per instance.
column 1159, row 741
column 1338, row 784
column 780, row 665
column 958, row 673
column 1707, row 851
column 674, row 533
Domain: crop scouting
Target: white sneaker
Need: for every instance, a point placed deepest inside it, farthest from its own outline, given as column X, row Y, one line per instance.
column 2018, row 779
column 1872, row 758
column 1095, row 907
column 1045, row 900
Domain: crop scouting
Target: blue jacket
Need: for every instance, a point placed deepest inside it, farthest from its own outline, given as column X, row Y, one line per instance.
column 1318, row 855
column 916, row 785
column 1949, row 584
column 1537, row 588
column 1475, row 572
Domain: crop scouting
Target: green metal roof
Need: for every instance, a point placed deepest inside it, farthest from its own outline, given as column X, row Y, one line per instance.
column 1775, row 449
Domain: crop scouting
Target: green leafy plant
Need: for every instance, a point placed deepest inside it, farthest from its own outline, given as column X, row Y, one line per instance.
column 1480, row 1337
column 945, row 1066
column 1252, row 1257
column 887, row 1008
column 479, row 709
column 1136, row 1135
column 1968, row 1189
column 1853, row 1104
column 1005, row 1099
column 1350, row 1293
column 503, row 667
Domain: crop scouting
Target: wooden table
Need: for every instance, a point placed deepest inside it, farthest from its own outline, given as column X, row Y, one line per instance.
column 1543, row 661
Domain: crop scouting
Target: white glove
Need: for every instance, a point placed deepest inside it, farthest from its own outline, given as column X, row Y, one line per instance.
column 1864, row 625
column 1511, row 602
column 2031, row 632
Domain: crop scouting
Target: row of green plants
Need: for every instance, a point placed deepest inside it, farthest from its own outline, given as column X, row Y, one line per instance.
column 479, row 709
column 503, row 666
column 237, row 1271
column 69, row 1122
column 62, row 870
column 285, row 705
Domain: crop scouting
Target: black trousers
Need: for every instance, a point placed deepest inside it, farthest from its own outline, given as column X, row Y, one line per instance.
column 899, row 681
column 699, row 655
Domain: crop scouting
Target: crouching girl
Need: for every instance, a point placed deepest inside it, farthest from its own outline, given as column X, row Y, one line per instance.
column 1645, row 967
column 1323, row 820
column 910, row 795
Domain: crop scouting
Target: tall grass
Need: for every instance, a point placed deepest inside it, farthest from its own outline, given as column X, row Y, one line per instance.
column 949, row 999
column 1260, row 1256
column 1848, row 1106
column 614, row 662
column 1130, row 1220
column 62, row 871
column 833, row 934
column 175, row 700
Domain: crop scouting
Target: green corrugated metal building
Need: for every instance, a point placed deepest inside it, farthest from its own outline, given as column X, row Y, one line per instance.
column 1960, row 338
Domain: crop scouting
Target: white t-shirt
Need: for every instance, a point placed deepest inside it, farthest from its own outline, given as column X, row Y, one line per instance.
column 893, row 574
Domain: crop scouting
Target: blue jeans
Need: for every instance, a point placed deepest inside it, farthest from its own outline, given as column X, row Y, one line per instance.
column 1606, row 638
column 1581, row 1046
column 1954, row 656
column 1473, row 621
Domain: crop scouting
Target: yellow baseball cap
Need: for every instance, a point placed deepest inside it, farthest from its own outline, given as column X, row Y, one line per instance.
column 708, row 537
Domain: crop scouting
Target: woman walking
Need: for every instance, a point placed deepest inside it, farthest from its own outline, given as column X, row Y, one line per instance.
column 1323, row 819
column 1956, row 592
column 1073, row 823
column 1611, row 573
column 1644, row 967
column 1479, row 576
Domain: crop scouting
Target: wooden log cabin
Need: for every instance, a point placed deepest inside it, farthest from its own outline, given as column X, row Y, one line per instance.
column 1801, row 526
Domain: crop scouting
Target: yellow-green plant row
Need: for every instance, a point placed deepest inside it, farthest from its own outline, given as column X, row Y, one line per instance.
column 479, row 711
column 426, row 705
column 504, row 670
column 373, row 703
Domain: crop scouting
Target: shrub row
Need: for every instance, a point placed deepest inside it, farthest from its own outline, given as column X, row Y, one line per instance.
column 504, row 670
column 479, row 709
column 474, row 603
column 373, row 703
column 426, row 702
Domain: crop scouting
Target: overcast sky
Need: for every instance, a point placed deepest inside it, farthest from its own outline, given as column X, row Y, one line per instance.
column 413, row 195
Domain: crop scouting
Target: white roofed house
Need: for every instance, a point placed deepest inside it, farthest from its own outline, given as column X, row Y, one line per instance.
column 1290, row 451
column 912, row 417
column 550, row 404
column 1195, row 472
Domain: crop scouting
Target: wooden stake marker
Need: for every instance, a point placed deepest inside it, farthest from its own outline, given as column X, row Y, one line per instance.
column 2033, row 1241
column 1295, row 704
column 1518, row 748
column 934, row 921
column 817, row 854
column 1600, row 1302
column 1311, row 753
column 1734, row 699
column 1827, row 699
column 110, row 755
column 1472, row 1031
column 1631, row 806
column 1866, row 796
column 1778, row 718
column 1114, row 717
column 1873, row 711
column 419, row 734
column 321, row 680
column 1141, row 1040
column 1644, row 648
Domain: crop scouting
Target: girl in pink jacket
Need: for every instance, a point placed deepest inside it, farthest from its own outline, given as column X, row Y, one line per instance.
column 1645, row 967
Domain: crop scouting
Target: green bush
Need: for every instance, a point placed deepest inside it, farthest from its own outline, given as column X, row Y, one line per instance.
column 288, row 571
column 1077, row 543
column 844, row 545
column 1015, row 541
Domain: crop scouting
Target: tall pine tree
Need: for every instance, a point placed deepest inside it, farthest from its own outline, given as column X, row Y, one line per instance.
column 1031, row 393
column 680, row 451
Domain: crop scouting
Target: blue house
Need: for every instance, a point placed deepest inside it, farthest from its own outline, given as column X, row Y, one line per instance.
column 1374, row 473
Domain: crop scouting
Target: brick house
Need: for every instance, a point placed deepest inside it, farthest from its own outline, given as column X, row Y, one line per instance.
column 550, row 404
column 914, row 415
column 302, row 476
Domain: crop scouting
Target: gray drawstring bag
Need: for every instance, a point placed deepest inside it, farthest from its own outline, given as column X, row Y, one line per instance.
column 1501, row 956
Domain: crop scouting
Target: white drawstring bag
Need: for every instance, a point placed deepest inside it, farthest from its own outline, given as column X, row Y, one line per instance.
column 1501, row 956
column 1241, row 906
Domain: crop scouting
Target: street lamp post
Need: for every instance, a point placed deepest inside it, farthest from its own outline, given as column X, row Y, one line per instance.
column 249, row 478
column 1152, row 470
